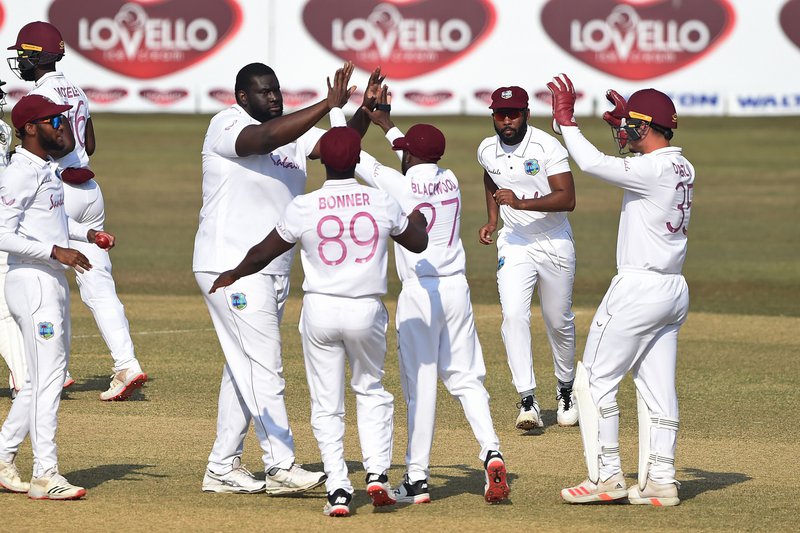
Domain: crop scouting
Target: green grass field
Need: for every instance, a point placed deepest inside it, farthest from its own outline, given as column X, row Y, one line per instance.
column 143, row 460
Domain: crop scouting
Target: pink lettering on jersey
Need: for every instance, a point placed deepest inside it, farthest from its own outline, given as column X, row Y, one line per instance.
column 68, row 92
column 432, row 189
column 285, row 162
column 344, row 200
column 56, row 201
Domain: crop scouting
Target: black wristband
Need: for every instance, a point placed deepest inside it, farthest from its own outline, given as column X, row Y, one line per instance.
column 383, row 107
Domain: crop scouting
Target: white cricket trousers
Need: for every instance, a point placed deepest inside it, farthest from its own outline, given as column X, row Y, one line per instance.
column 548, row 259
column 636, row 329
column 84, row 203
column 38, row 297
column 247, row 316
column 12, row 347
column 437, row 339
column 334, row 330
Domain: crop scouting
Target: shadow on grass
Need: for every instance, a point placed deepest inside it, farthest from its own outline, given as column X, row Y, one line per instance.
column 97, row 475
column 704, row 481
column 471, row 481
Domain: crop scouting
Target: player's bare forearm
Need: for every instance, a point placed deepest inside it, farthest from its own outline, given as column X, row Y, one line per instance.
column 492, row 209
column 415, row 237
column 360, row 120
column 256, row 259
column 555, row 202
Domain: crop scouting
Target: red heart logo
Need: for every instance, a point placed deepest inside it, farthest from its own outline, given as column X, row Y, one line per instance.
column 638, row 39
column 428, row 99
column 163, row 97
column 790, row 21
column 146, row 38
column 406, row 37
column 105, row 96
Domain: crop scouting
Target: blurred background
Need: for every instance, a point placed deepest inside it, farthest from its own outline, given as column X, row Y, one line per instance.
column 715, row 57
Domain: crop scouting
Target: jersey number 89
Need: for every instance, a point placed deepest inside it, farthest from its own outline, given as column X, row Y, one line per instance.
column 330, row 230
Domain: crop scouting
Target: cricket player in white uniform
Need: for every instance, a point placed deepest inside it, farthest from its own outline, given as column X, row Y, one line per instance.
column 343, row 229
column 636, row 326
column 254, row 164
column 35, row 232
column 11, row 346
column 39, row 46
column 528, row 181
column 435, row 326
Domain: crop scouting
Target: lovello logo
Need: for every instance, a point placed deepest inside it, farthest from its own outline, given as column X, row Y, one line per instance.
column 638, row 39
column 790, row 21
column 298, row 98
column 163, row 97
column 407, row 38
column 224, row 96
column 105, row 96
column 145, row 38
column 546, row 97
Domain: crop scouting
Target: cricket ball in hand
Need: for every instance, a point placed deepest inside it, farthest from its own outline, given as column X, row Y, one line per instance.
column 102, row 240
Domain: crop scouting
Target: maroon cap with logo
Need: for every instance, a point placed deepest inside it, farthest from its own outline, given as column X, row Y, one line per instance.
column 340, row 148
column 653, row 106
column 39, row 37
column 509, row 98
column 423, row 141
column 34, row 107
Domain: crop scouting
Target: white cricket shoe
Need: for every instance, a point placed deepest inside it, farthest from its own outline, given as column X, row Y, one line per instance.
column 68, row 381
column 567, row 413
column 338, row 503
column 238, row 480
column 665, row 495
column 529, row 414
column 292, row 480
column 53, row 486
column 379, row 490
column 606, row 491
column 9, row 477
column 123, row 383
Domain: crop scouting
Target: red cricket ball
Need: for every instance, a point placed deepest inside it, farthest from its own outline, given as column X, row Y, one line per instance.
column 102, row 240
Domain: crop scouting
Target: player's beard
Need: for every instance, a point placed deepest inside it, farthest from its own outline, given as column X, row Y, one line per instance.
column 515, row 137
column 52, row 143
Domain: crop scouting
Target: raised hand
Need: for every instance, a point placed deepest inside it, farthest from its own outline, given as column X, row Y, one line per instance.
column 372, row 92
column 339, row 93
column 380, row 116
column 563, row 102
column 615, row 116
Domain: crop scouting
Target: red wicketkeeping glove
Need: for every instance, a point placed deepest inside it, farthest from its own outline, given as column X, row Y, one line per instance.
column 615, row 116
column 563, row 102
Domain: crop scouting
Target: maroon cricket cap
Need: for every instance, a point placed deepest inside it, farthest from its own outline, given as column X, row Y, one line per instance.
column 653, row 106
column 423, row 141
column 39, row 37
column 340, row 148
column 509, row 98
column 34, row 107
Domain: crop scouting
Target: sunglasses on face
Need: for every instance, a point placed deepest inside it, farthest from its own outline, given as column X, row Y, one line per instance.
column 55, row 121
column 511, row 114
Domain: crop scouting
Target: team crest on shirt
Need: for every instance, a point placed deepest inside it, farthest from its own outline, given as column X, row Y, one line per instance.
column 500, row 262
column 531, row 167
column 238, row 300
column 46, row 330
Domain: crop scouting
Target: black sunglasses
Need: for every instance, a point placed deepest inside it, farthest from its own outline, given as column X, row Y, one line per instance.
column 512, row 114
column 55, row 121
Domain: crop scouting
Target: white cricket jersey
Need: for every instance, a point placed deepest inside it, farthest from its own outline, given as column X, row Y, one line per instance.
column 32, row 216
column 524, row 169
column 57, row 88
column 436, row 193
column 343, row 228
column 243, row 197
column 656, row 204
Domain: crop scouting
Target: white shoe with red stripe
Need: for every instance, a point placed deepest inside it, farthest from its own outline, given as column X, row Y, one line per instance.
column 605, row 491
column 654, row 494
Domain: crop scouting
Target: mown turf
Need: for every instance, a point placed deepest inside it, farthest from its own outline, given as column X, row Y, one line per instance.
column 143, row 460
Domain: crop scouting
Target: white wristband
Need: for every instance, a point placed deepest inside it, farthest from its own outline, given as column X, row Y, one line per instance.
column 337, row 117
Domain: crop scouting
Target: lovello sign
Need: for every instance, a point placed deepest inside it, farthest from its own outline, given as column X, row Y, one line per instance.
column 638, row 39
column 145, row 39
column 407, row 38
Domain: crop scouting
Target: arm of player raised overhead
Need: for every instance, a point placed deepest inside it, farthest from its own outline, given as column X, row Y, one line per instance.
column 267, row 136
column 360, row 120
column 629, row 173
column 256, row 259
